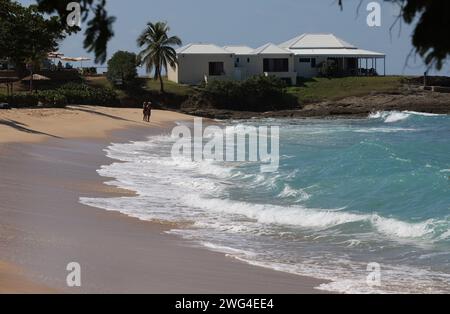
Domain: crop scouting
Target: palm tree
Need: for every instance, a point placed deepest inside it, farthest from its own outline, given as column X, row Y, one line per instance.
column 158, row 49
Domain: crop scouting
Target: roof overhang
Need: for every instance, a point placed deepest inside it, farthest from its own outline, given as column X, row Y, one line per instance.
column 345, row 52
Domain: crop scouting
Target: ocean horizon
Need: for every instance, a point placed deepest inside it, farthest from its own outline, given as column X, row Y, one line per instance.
column 348, row 193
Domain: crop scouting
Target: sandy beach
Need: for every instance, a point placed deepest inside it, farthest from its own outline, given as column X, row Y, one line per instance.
column 34, row 125
column 48, row 160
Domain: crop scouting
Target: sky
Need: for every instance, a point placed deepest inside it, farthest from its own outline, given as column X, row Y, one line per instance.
column 257, row 22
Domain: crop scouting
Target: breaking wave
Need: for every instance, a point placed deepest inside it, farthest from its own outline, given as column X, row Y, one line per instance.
column 335, row 204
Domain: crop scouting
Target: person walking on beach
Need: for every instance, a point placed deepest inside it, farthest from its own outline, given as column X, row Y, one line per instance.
column 145, row 110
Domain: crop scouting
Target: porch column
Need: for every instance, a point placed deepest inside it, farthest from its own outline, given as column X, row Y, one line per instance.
column 367, row 67
column 359, row 67
column 384, row 65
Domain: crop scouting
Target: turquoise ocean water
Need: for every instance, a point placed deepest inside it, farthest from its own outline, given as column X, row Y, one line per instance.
column 347, row 193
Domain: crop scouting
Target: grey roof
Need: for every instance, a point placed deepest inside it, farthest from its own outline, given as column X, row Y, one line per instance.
column 316, row 41
column 325, row 44
column 201, row 48
column 270, row 49
column 239, row 49
column 350, row 53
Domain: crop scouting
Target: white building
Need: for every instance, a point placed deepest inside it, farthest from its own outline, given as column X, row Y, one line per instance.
column 242, row 59
column 302, row 56
column 312, row 50
column 199, row 63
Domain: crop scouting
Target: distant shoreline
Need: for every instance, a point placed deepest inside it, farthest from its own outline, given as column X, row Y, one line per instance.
column 349, row 107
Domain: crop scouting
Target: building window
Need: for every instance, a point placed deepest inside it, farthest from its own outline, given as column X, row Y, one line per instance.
column 237, row 60
column 305, row 60
column 313, row 62
column 276, row 65
column 216, row 69
column 248, row 60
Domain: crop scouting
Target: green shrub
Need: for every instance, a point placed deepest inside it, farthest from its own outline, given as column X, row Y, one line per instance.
column 52, row 98
column 21, row 100
column 72, row 93
column 259, row 93
column 82, row 94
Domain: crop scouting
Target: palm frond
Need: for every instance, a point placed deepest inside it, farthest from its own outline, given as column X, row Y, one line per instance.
column 158, row 48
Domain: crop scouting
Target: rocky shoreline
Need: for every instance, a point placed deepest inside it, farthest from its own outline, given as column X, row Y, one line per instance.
column 351, row 107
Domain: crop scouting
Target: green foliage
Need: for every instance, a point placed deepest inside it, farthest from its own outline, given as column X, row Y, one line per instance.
column 25, row 35
column 122, row 66
column 169, row 86
column 51, row 98
column 76, row 94
column 21, row 100
column 82, row 94
column 429, row 37
column 90, row 71
column 259, row 93
column 325, row 89
column 44, row 98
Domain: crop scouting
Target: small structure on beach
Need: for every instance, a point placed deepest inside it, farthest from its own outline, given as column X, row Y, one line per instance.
column 306, row 55
column 33, row 79
column 36, row 77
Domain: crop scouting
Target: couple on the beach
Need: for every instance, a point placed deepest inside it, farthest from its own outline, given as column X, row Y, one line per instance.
column 147, row 111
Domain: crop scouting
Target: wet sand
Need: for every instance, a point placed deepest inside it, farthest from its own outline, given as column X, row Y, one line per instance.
column 43, row 227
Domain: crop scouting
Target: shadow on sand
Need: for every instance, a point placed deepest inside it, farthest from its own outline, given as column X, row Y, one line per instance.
column 101, row 114
column 23, row 128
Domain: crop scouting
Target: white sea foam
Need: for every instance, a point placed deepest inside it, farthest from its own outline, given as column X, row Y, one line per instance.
column 390, row 116
column 182, row 190
column 424, row 114
column 396, row 116
column 178, row 181
column 228, row 250
column 299, row 195
column 401, row 229
column 354, row 280
column 311, row 218
column 384, row 130
column 272, row 214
